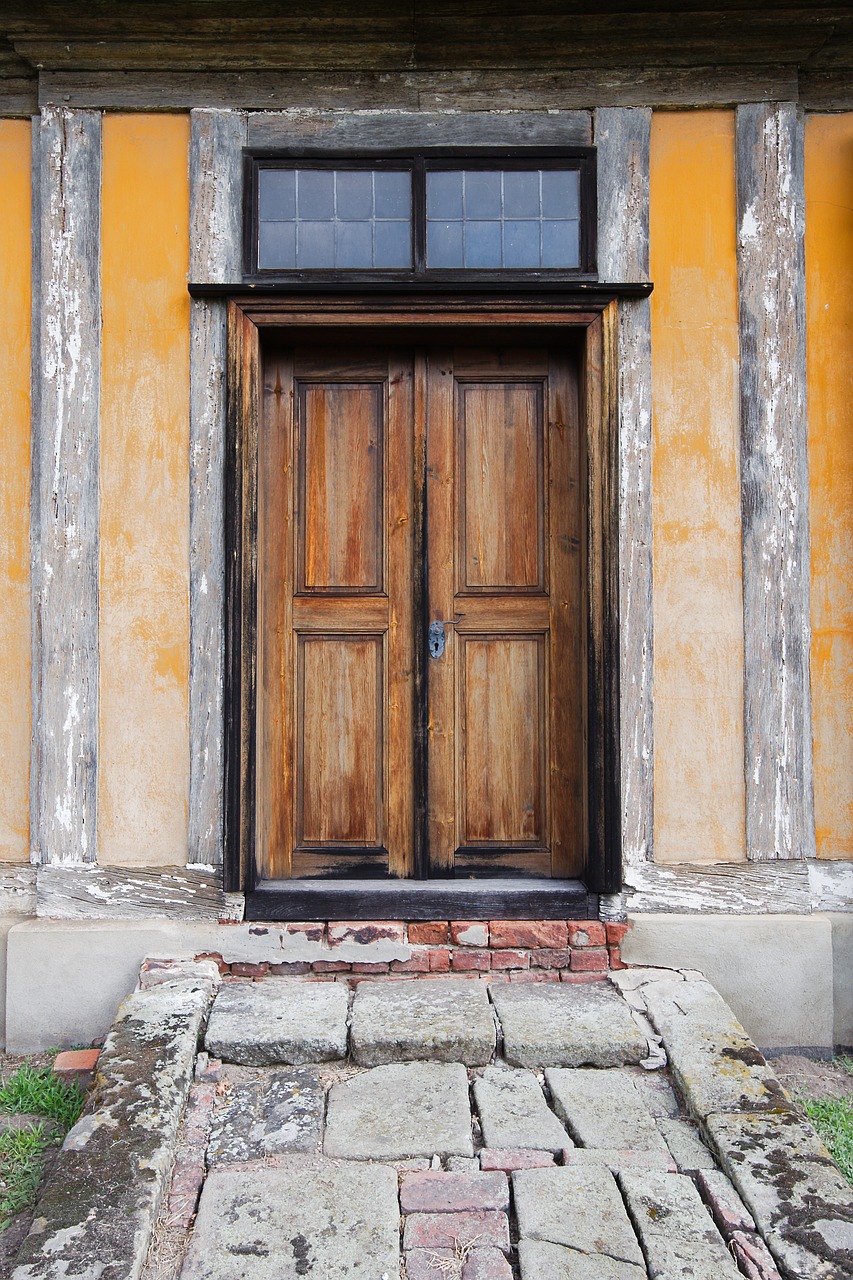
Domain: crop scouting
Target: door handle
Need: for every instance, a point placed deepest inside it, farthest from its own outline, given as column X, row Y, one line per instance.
column 435, row 639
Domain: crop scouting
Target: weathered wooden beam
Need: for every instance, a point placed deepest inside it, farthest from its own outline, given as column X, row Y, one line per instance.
column 722, row 889
column 216, row 141
column 774, row 483
column 130, row 893
column 385, row 130
column 17, row 889
column 18, row 98
column 825, row 90
column 64, row 523
column 558, row 89
column 622, row 139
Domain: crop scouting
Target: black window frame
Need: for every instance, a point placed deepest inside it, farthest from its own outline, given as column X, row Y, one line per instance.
column 581, row 159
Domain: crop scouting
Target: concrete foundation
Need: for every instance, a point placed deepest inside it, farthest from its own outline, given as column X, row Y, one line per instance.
column 787, row 978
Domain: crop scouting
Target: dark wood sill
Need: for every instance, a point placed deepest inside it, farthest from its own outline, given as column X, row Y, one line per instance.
column 495, row 899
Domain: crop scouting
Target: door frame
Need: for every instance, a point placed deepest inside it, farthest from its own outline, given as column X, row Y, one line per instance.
column 593, row 316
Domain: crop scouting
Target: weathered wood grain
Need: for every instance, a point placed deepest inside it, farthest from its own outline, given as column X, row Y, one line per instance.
column 622, row 139
column 721, row 889
column 431, row 91
column 216, row 140
column 123, row 893
column 385, row 130
column 17, row 889
column 774, row 483
column 824, row 90
column 64, row 526
column 18, row 98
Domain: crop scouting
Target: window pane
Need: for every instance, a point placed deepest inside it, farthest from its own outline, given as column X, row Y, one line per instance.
column 277, row 245
column 277, row 195
column 482, row 195
column 560, row 193
column 392, row 244
column 315, row 194
column 444, row 244
column 354, row 195
column 521, row 195
column 521, row 244
column 315, row 244
column 354, row 244
column 444, row 195
column 482, row 244
column 393, row 194
column 560, row 244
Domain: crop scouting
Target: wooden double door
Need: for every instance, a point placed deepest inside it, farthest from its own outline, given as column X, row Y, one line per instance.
column 421, row 692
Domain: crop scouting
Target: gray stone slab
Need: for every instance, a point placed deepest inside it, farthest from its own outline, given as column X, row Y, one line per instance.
column 679, row 1238
column 543, row 1261
column 655, row 1091
column 802, row 1204
column 400, row 1110
column 513, row 1112
column 580, row 1209
column 439, row 1020
column 567, row 1026
column 715, row 1064
column 688, row 1149
column 106, row 1186
column 309, row 1217
column 616, row 1159
column 257, row 1024
column 277, row 1112
column 603, row 1109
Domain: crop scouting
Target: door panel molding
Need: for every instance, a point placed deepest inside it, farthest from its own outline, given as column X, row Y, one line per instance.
column 587, row 323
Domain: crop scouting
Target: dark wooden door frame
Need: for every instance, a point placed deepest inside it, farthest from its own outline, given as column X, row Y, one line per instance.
column 592, row 317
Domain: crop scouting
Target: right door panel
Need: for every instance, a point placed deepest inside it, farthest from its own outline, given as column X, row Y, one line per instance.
column 505, row 574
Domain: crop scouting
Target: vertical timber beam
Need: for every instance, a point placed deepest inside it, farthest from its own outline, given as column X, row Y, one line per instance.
column 774, row 482
column 216, row 141
column 65, row 460
column 622, row 139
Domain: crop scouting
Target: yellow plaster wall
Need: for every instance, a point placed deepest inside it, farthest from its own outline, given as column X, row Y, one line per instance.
column 143, row 779
column 15, row 293
column 698, row 606
column 829, row 302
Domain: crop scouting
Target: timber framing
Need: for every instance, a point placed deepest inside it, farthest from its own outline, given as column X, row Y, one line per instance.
column 596, row 319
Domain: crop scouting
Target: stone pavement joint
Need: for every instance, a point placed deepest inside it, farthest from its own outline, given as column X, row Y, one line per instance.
column 603, row 1109
column 513, row 1111
column 441, row 1020
column 580, row 1209
column 679, row 1238
column 279, row 1020
column 541, row 1260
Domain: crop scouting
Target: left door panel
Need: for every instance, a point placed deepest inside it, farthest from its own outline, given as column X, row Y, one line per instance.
column 335, row 614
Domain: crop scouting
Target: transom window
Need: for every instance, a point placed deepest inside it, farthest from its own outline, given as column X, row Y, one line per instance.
column 423, row 216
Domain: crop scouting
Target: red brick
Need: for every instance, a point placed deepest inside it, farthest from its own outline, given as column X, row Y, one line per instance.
column 528, row 933
column 447, row 1230
column 510, row 960
column 439, row 960
column 469, row 933
column 308, row 932
column 438, row 1192
column 423, row 1264
column 616, row 961
column 486, row 1264
column 418, row 962
column 534, row 975
column 465, row 958
column 429, row 933
column 363, row 932
column 549, row 958
column 72, row 1062
column 752, row 1256
column 589, row 960
column 331, row 966
column 290, row 968
column 579, row 978
column 216, row 956
column 586, row 933
column 370, row 966
column 616, row 932
column 518, row 1158
column 249, row 969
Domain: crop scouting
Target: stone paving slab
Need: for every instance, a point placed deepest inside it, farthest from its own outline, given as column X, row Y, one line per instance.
column 580, row 1209
column 559, row 1026
column 308, row 1218
column 513, row 1112
column 274, row 1113
column 715, row 1064
column 801, row 1202
column 435, row 1019
column 603, row 1109
column 679, row 1238
column 687, row 1147
column 541, row 1260
column 400, row 1110
column 279, row 1020
column 616, row 1159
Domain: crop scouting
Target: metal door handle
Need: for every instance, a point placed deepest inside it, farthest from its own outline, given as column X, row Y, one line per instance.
column 436, row 639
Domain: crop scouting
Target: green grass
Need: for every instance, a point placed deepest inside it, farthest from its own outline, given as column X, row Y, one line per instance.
column 32, row 1091
column 833, row 1119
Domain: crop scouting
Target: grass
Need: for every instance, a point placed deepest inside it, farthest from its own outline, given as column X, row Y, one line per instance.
column 32, row 1091
column 833, row 1119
